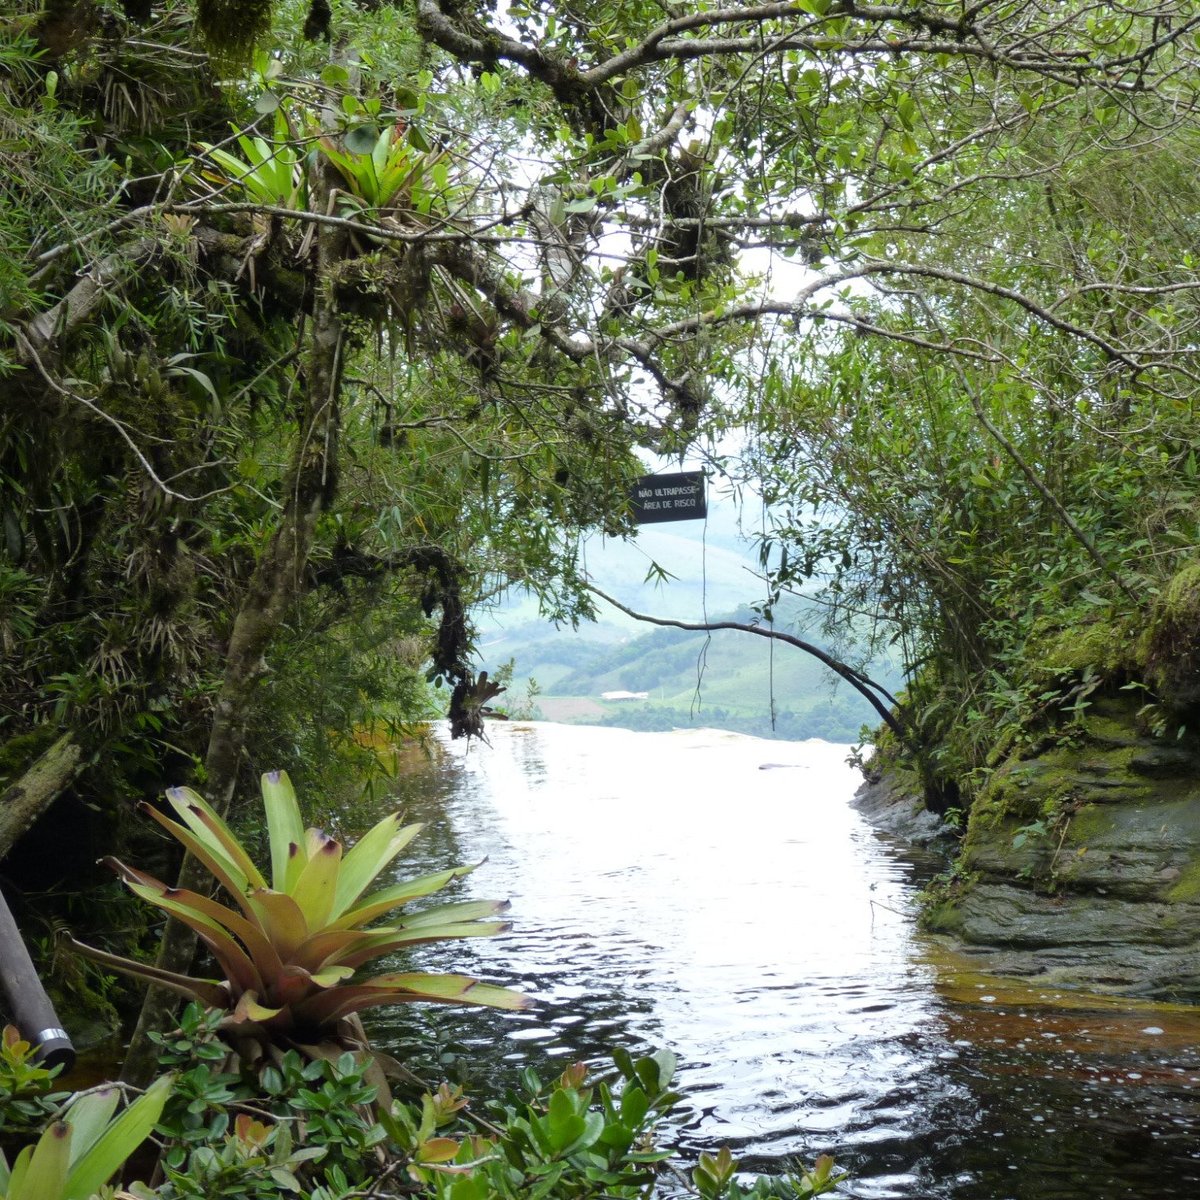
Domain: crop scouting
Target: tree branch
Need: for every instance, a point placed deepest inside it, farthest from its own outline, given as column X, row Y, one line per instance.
column 866, row 687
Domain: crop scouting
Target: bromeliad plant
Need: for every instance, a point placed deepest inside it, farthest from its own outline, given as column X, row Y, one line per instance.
column 289, row 955
column 270, row 172
column 384, row 170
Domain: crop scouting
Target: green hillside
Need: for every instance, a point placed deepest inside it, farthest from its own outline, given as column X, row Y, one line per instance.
column 727, row 680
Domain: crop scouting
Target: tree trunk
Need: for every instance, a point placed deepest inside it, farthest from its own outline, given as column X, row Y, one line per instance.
column 276, row 582
column 26, row 799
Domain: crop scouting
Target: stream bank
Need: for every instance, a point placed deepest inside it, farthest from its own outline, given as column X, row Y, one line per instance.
column 1080, row 863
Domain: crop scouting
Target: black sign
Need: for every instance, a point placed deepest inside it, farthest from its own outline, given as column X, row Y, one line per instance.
column 678, row 497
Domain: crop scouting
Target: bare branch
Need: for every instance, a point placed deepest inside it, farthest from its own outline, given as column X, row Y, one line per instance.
column 866, row 687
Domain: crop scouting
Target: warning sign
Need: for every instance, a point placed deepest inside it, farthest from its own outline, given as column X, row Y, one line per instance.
column 678, row 497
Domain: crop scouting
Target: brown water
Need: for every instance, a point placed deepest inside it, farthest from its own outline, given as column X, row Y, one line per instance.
column 716, row 894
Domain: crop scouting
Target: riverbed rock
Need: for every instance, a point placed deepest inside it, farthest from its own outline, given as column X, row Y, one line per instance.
column 895, row 806
column 1081, row 861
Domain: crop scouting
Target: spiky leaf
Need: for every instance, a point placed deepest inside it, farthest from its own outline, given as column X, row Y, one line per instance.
column 284, row 824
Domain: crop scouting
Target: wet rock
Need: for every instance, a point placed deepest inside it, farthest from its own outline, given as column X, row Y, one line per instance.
column 1081, row 862
column 1162, row 762
column 893, row 806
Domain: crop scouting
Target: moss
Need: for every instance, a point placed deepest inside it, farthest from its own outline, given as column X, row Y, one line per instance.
column 1105, row 646
column 940, row 912
column 1173, row 651
column 1091, row 822
column 19, row 753
column 232, row 28
column 1027, row 790
column 1116, row 734
column 942, row 917
column 1187, row 886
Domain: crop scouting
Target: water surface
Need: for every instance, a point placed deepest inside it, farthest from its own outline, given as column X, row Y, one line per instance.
column 716, row 894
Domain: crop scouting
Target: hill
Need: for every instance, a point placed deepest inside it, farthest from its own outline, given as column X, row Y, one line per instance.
column 673, row 678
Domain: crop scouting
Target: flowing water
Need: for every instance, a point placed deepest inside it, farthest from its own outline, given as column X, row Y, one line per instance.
column 717, row 895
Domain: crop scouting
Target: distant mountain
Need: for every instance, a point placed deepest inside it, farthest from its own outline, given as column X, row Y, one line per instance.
column 728, row 680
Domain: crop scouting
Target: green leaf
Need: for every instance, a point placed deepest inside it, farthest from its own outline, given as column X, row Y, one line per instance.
column 207, row 991
column 387, row 940
column 465, row 910
column 89, row 1115
column 405, row 987
column 281, row 919
column 367, row 858
column 44, row 1171
column 189, row 908
column 108, row 1153
column 285, row 826
column 207, row 824
column 362, row 139
column 315, row 888
column 379, row 903
column 634, row 1106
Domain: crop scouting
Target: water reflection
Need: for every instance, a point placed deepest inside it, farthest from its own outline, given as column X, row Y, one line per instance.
column 716, row 894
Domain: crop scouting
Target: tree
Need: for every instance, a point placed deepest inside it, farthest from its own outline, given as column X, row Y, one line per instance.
column 313, row 310
column 1017, row 492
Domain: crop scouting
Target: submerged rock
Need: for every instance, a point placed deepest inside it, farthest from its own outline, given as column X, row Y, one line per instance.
column 1081, row 862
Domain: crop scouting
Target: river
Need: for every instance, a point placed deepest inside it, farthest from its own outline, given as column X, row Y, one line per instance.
column 716, row 894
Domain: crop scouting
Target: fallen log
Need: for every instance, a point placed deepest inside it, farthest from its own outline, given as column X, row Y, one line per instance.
column 24, row 800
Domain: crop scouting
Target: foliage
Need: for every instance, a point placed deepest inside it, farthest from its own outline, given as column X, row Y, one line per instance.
column 303, row 1126
column 288, row 956
column 1011, row 489
column 25, row 1096
column 274, row 1130
column 944, row 286
column 269, row 172
column 79, row 1153
column 715, row 1176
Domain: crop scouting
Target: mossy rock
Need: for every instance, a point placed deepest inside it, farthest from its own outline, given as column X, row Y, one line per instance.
column 1173, row 653
column 1104, row 645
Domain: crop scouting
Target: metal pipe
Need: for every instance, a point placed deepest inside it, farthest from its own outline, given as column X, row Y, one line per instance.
column 31, row 1009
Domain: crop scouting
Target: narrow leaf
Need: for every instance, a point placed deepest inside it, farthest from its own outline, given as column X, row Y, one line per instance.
column 223, row 870
column 262, row 953
column 20, row 1169
column 395, row 939
column 372, row 852
column 284, row 824
column 466, row 910
column 88, row 1116
column 314, row 890
column 231, row 958
column 207, row 991
column 407, row 987
column 379, row 903
column 47, row 1167
column 326, row 947
column 201, row 817
column 105, row 1157
column 248, row 1009
column 281, row 919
